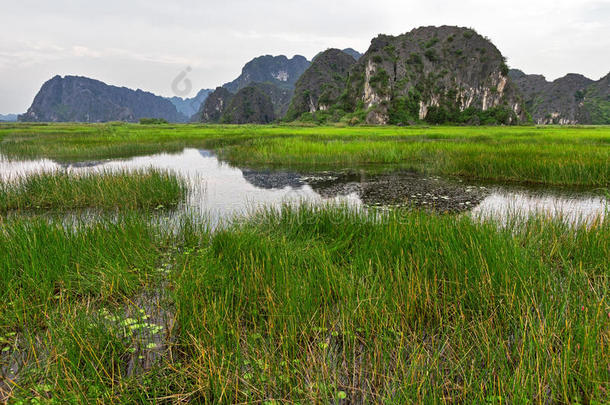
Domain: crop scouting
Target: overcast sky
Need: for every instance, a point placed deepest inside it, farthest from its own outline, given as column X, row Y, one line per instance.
column 147, row 43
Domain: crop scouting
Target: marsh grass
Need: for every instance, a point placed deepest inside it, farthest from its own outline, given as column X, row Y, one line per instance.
column 545, row 155
column 145, row 189
column 65, row 335
column 311, row 305
column 314, row 304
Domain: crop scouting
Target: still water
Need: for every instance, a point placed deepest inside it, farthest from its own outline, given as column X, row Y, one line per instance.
column 221, row 191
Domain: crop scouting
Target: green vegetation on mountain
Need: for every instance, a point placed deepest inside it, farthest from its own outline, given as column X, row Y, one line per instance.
column 251, row 105
column 213, row 107
column 320, row 87
column 596, row 103
column 433, row 74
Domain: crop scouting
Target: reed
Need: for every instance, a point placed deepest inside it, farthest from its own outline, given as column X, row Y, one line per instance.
column 545, row 155
column 108, row 190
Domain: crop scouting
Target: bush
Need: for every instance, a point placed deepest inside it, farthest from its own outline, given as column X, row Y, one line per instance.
column 404, row 110
column 153, row 121
column 431, row 55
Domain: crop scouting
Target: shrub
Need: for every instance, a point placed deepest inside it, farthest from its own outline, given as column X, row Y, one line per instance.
column 153, row 121
column 431, row 55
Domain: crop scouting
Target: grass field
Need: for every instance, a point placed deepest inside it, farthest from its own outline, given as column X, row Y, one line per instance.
column 305, row 305
column 545, row 155
column 313, row 305
column 60, row 191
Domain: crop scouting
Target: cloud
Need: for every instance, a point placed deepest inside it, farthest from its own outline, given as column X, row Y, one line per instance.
column 145, row 43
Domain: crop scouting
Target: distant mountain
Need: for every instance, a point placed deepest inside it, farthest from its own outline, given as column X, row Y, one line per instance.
column 278, row 70
column 8, row 117
column 190, row 106
column 351, row 52
column 257, row 103
column 251, row 105
column 321, row 84
column 80, row 99
column 213, row 107
column 572, row 99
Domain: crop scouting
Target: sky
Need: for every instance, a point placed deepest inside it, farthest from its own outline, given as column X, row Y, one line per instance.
column 147, row 44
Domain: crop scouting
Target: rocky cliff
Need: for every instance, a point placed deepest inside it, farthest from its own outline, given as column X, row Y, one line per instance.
column 280, row 97
column 213, row 107
column 572, row 99
column 435, row 74
column 251, row 105
column 278, row 70
column 322, row 84
column 80, row 99
column 595, row 103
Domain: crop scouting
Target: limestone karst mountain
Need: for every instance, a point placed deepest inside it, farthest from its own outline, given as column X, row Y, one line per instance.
column 572, row 99
column 80, row 99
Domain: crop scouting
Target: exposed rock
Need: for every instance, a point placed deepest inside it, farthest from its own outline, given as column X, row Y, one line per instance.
column 437, row 74
column 251, row 105
column 572, row 99
column 280, row 97
column 278, row 70
column 321, row 84
column 214, row 105
column 80, row 99
column 595, row 103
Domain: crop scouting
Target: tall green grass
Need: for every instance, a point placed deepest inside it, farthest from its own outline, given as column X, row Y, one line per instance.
column 326, row 304
column 311, row 305
column 47, row 265
column 147, row 189
column 70, row 320
column 548, row 155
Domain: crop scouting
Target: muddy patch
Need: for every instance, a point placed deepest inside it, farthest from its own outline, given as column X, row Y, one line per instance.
column 403, row 189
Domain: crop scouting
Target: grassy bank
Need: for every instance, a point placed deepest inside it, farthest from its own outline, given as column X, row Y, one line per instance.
column 148, row 189
column 314, row 305
column 59, row 283
column 547, row 155
column 317, row 305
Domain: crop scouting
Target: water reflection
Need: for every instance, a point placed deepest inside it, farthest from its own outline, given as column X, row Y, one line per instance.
column 220, row 191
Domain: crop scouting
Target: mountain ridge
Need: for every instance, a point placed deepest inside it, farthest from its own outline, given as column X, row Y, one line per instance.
column 567, row 100
column 278, row 70
column 82, row 99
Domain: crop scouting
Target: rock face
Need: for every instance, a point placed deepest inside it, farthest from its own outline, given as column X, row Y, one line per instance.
column 322, row 83
column 213, row 107
column 436, row 74
column 353, row 53
column 80, row 99
column 251, row 105
column 572, row 99
column 190, row 106
column 280, row 97
column 596, row 103
column 278, row 70
column 257, row 103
